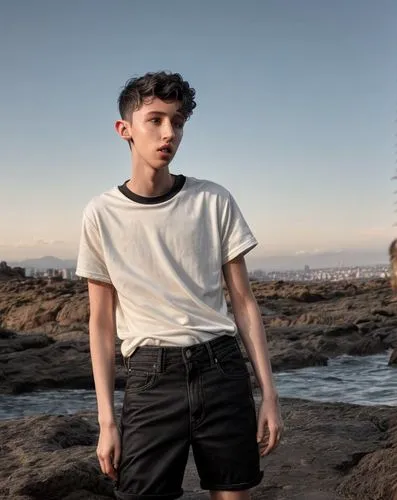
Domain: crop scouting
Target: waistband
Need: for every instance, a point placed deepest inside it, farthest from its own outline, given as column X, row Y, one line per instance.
column 160, row 357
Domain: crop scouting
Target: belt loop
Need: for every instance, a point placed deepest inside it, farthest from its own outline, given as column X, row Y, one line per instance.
column 160, row 360
column 236, row 343
column 210, row 353
column 126, row 362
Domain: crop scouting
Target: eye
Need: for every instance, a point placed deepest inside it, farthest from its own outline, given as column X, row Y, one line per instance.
column 155, row 120
column 179, row 124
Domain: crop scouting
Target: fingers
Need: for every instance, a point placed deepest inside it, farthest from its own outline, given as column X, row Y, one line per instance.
column 109, row 469
column 109, row 451
column 262, row 435
column 116, row 458
column 272, row 443
column 268, row 438
column 106, row 466
column 109, row 464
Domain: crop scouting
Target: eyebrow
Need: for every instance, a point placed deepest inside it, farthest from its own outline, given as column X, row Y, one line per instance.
column 162, row 113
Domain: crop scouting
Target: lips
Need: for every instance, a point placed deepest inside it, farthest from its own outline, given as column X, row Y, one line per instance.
column 165, row 149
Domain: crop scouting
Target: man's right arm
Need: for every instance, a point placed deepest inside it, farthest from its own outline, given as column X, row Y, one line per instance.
column 102, row 331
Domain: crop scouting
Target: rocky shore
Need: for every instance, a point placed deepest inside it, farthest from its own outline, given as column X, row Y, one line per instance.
column 330, row 451
column 43, row 328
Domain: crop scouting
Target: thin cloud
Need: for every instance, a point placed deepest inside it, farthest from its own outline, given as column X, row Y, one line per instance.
column 33, row 244
column 308, row 252
column 49, row 242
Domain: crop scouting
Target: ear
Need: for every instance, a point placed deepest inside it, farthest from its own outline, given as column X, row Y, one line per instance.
column 123, row 128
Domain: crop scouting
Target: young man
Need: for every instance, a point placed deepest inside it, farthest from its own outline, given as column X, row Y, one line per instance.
column 154, row 251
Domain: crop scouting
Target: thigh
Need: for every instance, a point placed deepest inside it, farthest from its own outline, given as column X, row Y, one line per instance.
column 230, row 495
column 154, row 435
column 224, row 443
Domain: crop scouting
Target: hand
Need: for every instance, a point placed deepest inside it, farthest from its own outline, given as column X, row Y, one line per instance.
column 270, row 426
column 109, row 450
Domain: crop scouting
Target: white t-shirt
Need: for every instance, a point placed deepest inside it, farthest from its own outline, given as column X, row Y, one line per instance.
column 164, row 256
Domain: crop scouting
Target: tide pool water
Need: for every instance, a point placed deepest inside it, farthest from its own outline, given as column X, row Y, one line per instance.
column 349, row 379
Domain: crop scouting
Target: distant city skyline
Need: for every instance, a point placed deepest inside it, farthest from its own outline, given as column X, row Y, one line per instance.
column 343, row 258
column 296, row 115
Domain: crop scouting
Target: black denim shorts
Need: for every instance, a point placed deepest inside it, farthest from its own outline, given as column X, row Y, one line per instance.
column 198, row 396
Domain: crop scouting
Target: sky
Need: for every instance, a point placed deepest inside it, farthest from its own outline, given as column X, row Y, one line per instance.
column 296, row 114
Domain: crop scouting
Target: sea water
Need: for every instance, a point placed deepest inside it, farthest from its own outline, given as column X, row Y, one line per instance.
column 363, row 380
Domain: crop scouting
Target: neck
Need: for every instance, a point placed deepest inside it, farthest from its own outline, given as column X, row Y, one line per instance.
column 149, row 182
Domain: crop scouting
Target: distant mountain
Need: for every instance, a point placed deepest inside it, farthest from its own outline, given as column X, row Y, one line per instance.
column 343, row 258
column 47, row 262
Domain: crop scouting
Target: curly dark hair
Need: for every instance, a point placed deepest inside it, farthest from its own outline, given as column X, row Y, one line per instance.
column 165, row 86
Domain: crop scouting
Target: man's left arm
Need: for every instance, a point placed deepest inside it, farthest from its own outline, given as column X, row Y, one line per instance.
column 249, row 322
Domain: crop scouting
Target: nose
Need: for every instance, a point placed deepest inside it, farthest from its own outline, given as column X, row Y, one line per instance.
column 168, row 131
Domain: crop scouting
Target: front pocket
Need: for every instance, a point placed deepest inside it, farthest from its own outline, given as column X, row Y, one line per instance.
column 232, row 365
column 139, row 380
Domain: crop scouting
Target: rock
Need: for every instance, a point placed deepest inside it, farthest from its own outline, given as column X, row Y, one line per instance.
column 384, row 332
column 373, row 475
column 359, row 321
column 31, row 362
column 51, row 457
column 7, row 334
column 33, row 305
column 305, row 324
column 10, row 273
column 367, row 327
column 329, row 451
column 75, row 311
column 10, row 344
column 305, row 295
column 321, row 341
column 366, row 346
column 297, row 359
column 393, row 358
column 309, row 318
column 391, row 339
column 340, row 330
column 383, row 312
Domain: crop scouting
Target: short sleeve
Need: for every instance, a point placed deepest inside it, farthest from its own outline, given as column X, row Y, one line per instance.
column 237, row 237
column 90, row 261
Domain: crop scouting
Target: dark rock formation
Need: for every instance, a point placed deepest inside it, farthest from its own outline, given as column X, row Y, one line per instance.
column 329, row 451
column 9, row 273
column 37, row 361
column 393, row 358
column 52, row 348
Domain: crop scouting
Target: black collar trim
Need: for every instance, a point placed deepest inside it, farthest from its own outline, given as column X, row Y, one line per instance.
column 151, row 200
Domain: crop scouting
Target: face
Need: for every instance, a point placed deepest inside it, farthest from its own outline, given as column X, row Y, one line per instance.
column 156, row 130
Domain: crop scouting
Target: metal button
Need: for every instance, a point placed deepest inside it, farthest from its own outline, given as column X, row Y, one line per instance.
column 188, row 353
